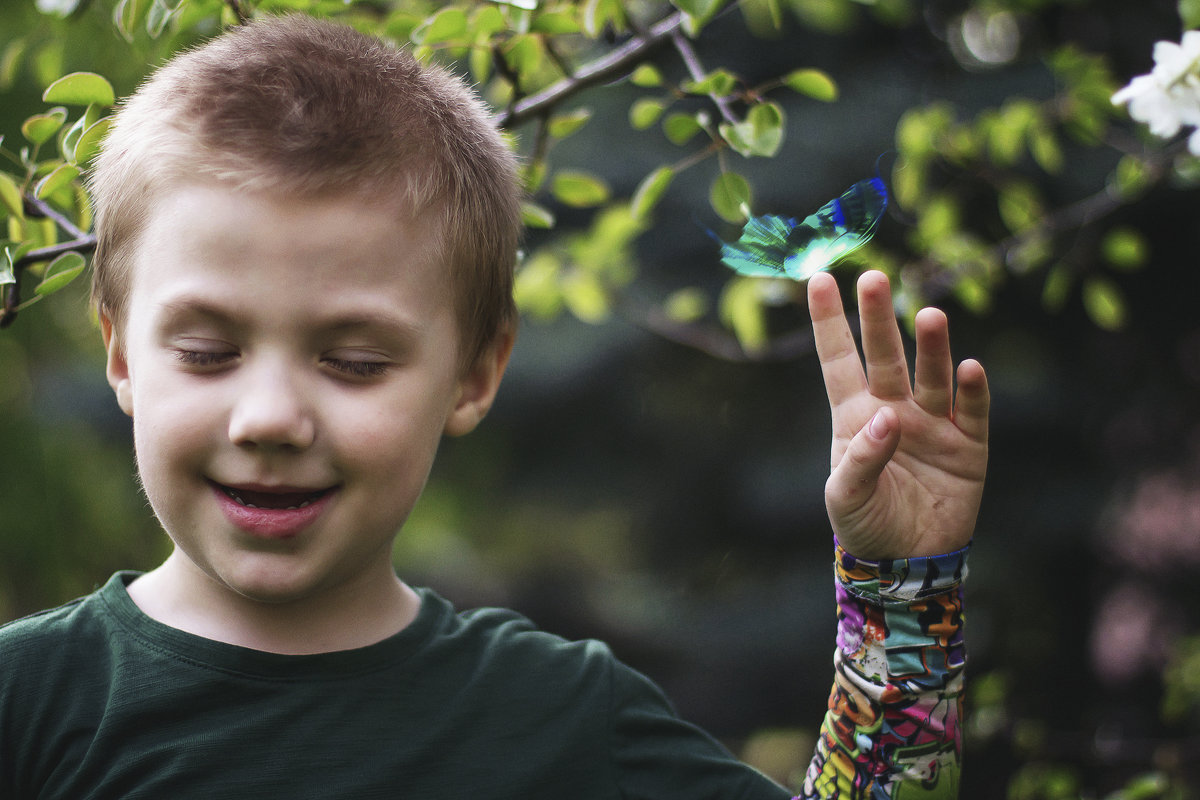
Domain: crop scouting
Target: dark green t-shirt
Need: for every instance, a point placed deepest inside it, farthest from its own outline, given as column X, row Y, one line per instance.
column 97, row 700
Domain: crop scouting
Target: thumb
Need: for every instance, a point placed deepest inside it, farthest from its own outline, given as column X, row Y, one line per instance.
column 853, row 479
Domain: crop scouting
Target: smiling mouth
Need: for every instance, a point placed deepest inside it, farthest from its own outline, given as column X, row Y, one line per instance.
column 278, row 501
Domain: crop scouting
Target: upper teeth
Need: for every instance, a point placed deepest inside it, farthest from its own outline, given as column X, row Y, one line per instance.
column 233, row 493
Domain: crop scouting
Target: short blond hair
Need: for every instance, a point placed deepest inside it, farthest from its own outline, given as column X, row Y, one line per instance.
column 299, row 105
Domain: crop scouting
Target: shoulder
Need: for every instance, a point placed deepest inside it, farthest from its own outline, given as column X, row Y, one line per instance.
column 509, row 643
column 46, row 629
column 571, row 688
column 47, row 645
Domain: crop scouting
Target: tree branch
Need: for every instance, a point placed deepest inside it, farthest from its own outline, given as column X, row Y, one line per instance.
column 81, row 242
column 238, row 11
column 84, row 244
column 35, row 206
column 714, row 340
column 696, row 70
column 603, row 69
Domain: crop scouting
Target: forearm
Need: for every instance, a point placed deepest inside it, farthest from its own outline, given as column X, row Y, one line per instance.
column 893, row 716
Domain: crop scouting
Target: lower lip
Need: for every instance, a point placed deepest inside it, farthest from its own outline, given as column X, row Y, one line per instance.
column 271, row 523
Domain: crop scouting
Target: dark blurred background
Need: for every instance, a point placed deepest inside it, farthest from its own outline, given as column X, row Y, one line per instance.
column 633, row 489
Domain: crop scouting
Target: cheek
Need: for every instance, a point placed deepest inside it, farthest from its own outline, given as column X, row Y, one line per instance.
column 170, row 430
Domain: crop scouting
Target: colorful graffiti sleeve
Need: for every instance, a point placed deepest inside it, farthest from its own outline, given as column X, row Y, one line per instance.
column 892, row 729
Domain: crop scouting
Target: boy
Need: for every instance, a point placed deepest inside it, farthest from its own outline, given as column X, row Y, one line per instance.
column 304, row 280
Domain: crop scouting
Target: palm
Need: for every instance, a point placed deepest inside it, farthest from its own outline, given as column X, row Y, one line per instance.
column 923, row 498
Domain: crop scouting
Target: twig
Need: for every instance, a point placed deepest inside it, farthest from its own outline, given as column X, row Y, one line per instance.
column 714, row 340
column 84, row 244
column 603, row 69
column 12, row 299
column 696, row 70
column 236, row 7
column 81, row 242
column 35, row 206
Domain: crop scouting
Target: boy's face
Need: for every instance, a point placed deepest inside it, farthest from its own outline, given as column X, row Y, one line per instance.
column 290, row 366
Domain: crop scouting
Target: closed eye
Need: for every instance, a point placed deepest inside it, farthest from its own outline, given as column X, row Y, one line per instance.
column 358, row 369
column 203, row 358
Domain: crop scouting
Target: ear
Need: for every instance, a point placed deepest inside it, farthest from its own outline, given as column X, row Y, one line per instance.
column 117, row 368
column 477, row 388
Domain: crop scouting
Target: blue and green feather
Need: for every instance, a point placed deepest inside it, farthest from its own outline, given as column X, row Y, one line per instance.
column 781, row 247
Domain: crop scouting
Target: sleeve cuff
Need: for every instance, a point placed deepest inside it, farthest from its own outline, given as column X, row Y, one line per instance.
column 900, row 580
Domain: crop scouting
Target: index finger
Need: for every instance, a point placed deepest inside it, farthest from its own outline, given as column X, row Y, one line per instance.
column 836, row 349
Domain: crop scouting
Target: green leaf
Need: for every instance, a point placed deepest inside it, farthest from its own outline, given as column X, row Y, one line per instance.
column 1125, row 248
column 58, row 178
column 908, row 181
column 1030, row 252
column 160, row 14
column 1104, row 303
column 776, row 14
column 10, row 196
column 1189, row 14
column 59, row 273
column 919, row 129
column 1020, row 206
column 761, row 134
column 973, row 294
column 563, row 125
column 680, row 127
column 535, row 216
column 41, row 127
column 729, row 196
column 486, row 21
column 71, row 138
column 585, row 296
column 447, row 25
column 813, row 83
column 1044, row 147
column 556, row 23
column 686, row 305
column 535, row 289
column 47, row 60
column 698, row 11
column 479, row 61
column 128, row 14
column 599, row 14
column 741, row 309
column 647, row 76
column 718, row 83
column 578, row 189
column 645, row 111
column 80, row 89
column 10, row 62
column 1057, row 288
column 533, row 175
column 1131, row 178
column 939, row 219
column 1150, row 786
column 89, row 142
column 650, row 191
column 524, row 55
column 8, row 273
column 92, row 115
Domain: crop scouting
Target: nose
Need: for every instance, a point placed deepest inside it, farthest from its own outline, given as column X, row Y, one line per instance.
column 271, row 410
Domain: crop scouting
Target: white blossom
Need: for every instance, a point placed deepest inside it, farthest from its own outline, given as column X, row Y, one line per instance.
column 1169, row 97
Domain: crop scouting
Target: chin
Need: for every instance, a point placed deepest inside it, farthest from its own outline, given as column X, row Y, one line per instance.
column 270, row 587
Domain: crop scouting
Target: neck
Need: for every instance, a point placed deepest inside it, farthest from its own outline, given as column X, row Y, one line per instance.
column 355, row 614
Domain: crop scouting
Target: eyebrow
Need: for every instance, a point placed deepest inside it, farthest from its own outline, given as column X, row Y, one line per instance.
column 348, row 322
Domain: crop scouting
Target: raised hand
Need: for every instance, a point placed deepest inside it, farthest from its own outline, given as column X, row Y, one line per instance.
column 908, row 459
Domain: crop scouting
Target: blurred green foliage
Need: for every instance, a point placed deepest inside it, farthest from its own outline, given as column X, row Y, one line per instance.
column 1015, row 181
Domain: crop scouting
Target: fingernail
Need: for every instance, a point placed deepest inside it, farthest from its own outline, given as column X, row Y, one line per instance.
column 878, row 427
